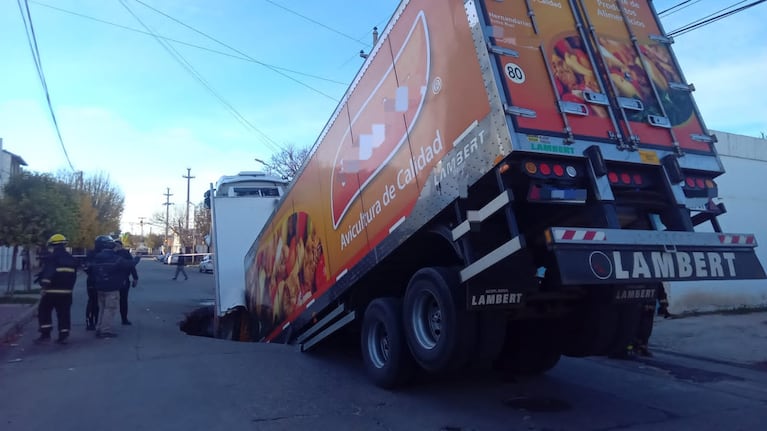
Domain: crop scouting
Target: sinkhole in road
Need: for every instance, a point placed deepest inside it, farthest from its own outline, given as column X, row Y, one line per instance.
column 199, row 322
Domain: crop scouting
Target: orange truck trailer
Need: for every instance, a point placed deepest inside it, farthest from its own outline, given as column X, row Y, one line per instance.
column 503, row 181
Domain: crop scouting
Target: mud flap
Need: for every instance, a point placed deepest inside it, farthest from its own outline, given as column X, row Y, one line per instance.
column 602, row 329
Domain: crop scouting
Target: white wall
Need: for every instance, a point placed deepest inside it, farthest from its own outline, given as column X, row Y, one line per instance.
column 743, row 189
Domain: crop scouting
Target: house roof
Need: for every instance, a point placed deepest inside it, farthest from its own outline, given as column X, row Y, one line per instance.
column 15, row 158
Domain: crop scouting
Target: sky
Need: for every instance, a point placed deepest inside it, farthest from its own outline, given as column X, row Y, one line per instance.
column 126, row 107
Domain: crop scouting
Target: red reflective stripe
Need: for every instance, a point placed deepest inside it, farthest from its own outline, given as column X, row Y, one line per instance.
column 568, row 234
column 750, row 239
column 590, row 235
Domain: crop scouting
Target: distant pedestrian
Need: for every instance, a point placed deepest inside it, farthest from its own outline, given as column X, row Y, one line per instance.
column 57, row 279
column 127, row 284
column 180, row 263
column 109, row 272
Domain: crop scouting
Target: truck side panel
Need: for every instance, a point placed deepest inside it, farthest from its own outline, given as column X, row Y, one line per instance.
column 372, row 162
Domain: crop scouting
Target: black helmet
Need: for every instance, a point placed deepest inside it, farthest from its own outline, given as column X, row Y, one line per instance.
column 104, row 241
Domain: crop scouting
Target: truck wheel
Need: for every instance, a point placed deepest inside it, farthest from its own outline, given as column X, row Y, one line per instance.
column 437, row 326
column 384, row 351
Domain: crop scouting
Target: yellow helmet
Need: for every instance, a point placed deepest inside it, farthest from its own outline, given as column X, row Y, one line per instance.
column 57, row 239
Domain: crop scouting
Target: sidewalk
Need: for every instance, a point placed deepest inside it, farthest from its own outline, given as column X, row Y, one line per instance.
column 735, row 336
column 14, row 316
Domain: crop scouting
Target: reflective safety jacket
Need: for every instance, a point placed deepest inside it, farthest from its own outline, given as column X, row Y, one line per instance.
column 59, row 272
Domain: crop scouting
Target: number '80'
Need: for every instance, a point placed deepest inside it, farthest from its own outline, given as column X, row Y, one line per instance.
column 515, row 73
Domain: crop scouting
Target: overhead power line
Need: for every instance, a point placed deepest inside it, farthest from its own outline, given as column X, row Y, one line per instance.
column 714, row 13
column 314, row 21
column 704, row 22
column 677, row 7
column 196, row 75
column 29, row 28
column 192, row 45
column 673, row 7
column 235, row 50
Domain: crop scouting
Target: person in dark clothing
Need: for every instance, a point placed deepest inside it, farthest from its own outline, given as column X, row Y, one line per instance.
column 127, row 284
column 57, row 279
column 92, row 308
column 640, row 346
column 109, row 272
column 180, row 263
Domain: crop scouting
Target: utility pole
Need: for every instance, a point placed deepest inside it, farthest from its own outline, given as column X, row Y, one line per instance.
column 141, row 222
column 167, row 204
column 188, row 177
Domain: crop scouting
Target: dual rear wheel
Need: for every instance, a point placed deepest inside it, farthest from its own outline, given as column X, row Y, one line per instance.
column 429, row 328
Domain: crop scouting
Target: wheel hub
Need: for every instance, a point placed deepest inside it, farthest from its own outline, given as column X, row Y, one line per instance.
column 427, row 320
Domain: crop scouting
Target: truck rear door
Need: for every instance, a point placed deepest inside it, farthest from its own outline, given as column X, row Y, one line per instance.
column 594, row 70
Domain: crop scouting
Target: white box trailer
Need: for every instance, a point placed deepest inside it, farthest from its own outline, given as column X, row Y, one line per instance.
column 240, row 206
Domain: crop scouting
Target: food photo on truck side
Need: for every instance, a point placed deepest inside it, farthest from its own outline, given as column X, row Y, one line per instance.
column 503, row 182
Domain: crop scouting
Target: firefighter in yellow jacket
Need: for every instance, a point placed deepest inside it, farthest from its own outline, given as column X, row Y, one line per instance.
column 57, row 279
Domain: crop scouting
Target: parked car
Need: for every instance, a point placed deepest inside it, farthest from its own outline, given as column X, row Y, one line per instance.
column 162, row 257
column 206, row 265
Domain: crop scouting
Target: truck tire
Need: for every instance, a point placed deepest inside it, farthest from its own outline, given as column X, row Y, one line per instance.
column 384, row 350
column 438, row 328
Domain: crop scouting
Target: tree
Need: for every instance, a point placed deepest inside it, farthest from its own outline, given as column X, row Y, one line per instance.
column 202, row 222
column 176, row 226
column 35, row 206
column 101, row 206
column 287, row 162
column 129, row 240
column 153, row 241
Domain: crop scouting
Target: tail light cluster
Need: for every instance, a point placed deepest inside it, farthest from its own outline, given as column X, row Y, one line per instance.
column 619, row 178
column 695, row 186
column 699, row 183
column 551, row 170
column 555, row 182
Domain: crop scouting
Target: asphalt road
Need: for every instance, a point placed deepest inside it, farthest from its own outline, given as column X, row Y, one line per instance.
column 154, row 377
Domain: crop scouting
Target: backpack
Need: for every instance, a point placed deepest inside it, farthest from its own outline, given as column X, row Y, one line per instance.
column 107, row 273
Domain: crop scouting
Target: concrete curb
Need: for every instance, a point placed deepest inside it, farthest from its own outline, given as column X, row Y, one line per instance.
column 8, row 331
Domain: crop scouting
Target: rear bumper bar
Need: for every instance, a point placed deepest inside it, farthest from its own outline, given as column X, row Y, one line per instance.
column 614, row 256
